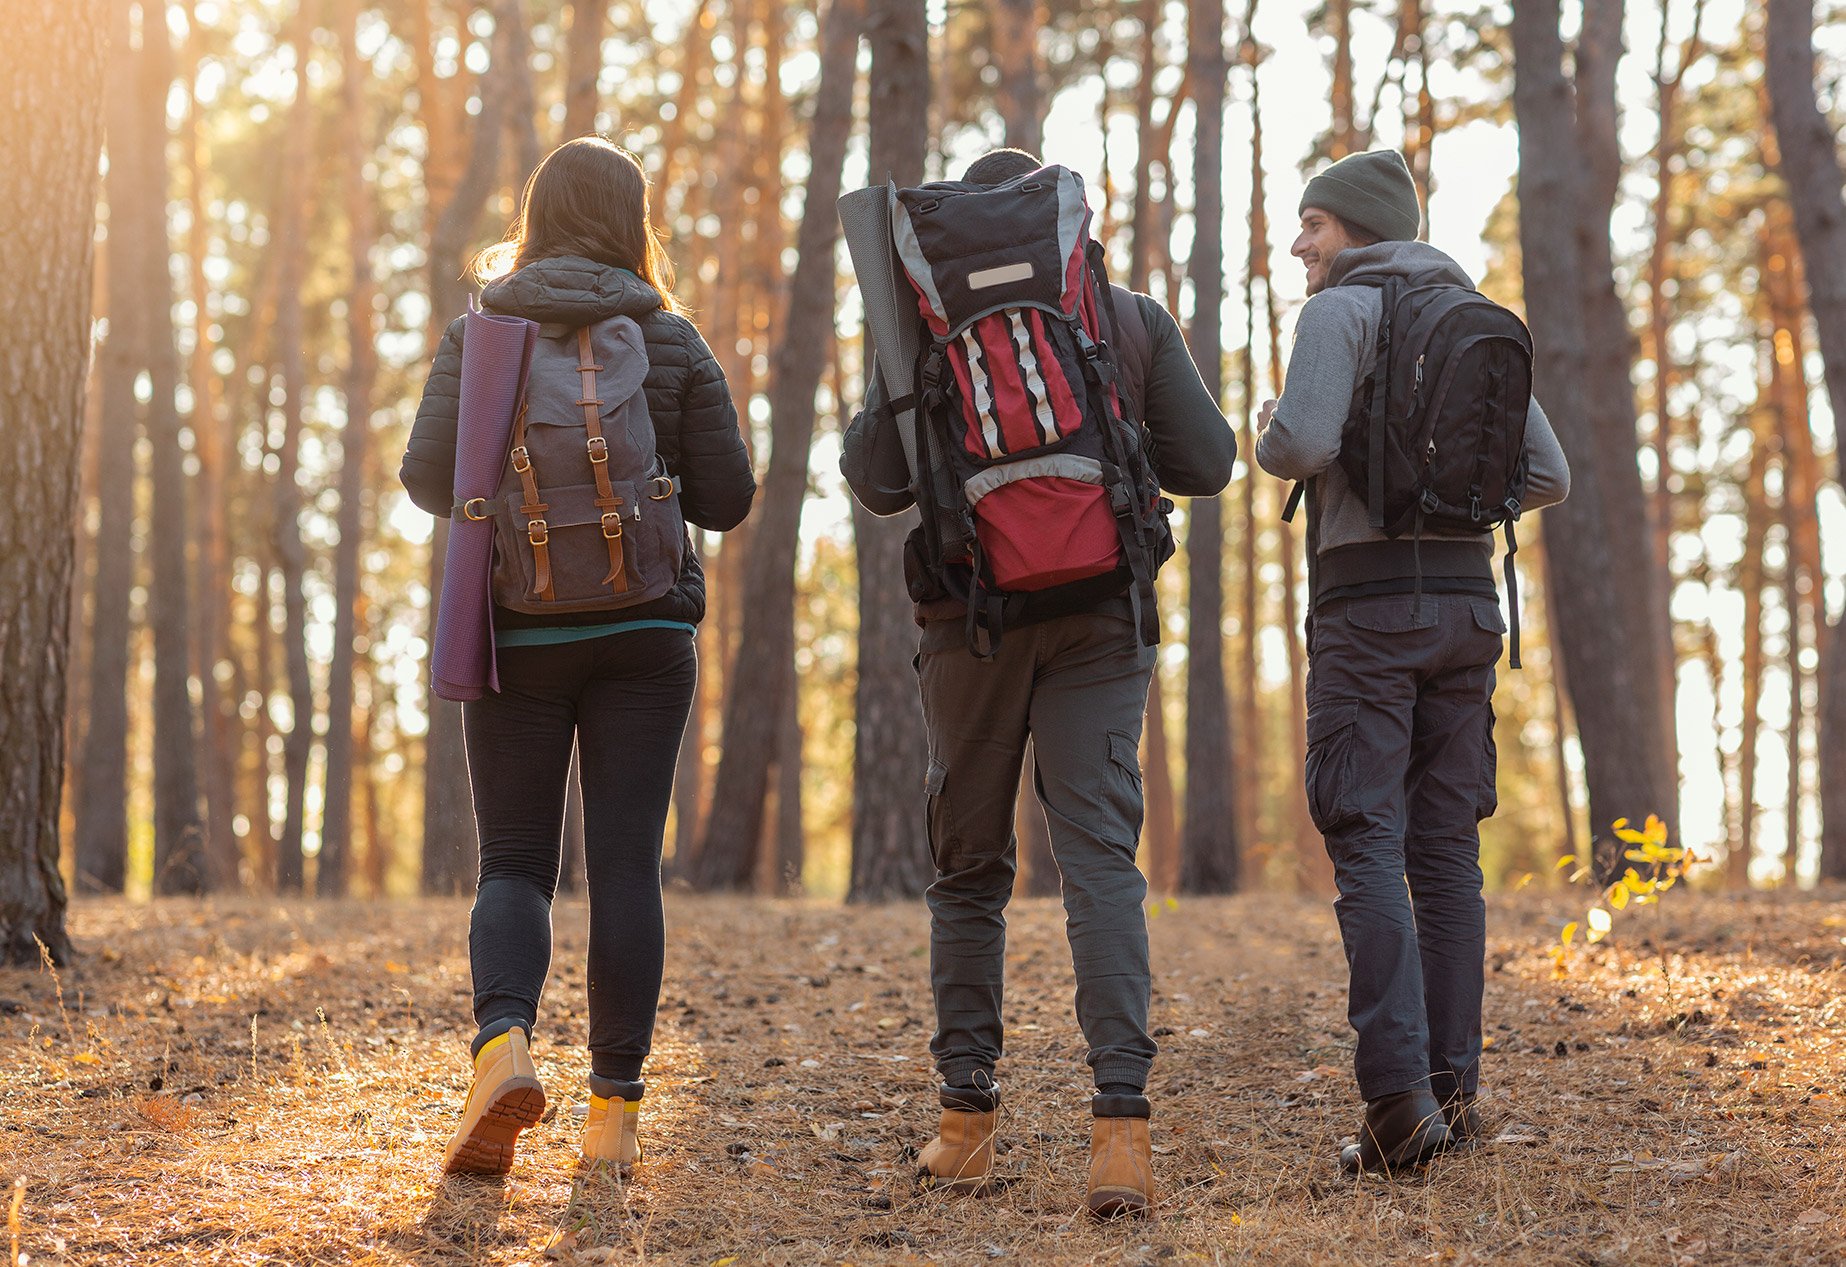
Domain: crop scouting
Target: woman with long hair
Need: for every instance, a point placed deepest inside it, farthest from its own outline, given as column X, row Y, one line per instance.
column 611, row 671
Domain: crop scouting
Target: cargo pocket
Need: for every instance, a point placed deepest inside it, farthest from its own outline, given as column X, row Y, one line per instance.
column 1330, row 757
column 935, row 816
column 1487, row 800
column 1125, row 758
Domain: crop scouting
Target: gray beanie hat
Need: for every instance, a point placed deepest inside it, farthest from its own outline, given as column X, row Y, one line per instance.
column 1371, row 191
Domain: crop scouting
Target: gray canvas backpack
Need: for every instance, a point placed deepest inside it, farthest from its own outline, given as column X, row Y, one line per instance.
column 587, row 517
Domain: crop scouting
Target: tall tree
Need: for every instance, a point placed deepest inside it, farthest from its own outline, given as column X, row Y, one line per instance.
column 1019, row 93
column 589, row 19
column 1809, row 161
column 1609, row 349
column 102, row 769
column 1585, row 592
column 890, row 858
column 448, row 819
column 355, row 446
column 765, row 647
column 51, row 71
column 291, row 549
column 180, row 862
column 1210, row 850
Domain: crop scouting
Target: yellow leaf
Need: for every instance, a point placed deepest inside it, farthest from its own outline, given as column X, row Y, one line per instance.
column 393, row 966
column 1172, row 904
column 87, row 1058
column 1565, row 861
column 725, row 1261
column 1618, row 896
column 1600, row 923
column 1630, row 835
column 1619, row 824
column 1570, row 931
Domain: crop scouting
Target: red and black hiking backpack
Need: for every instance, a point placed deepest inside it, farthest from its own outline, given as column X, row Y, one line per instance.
column 1037, row 495
column 1435, row 440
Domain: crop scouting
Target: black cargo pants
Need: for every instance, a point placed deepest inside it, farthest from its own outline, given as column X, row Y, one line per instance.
column 1400, row 772
column 1078, row 686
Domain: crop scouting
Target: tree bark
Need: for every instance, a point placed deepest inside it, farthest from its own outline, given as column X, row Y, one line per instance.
column 1752, row 575
column 1623, row 778
column 1609, row 350
column 791, row 848
column 180, row 862
column 1809, row 161
column 765, row 647
column 1038, row 875
column 1210, row 850
column 890, row 857
column 102, row 770
column 331, row 877
column 51, row 84
column 589, row 19
column 1019, row 94
column 449, row 845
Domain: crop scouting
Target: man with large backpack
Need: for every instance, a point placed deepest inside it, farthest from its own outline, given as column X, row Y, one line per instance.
column 1408, row 416
column 1046, row 411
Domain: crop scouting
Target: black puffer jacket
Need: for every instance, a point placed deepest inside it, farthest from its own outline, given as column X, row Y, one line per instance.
column 695, row 423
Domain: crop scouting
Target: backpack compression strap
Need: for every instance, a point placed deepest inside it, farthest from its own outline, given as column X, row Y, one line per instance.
column 538, row 533
column 606, row 500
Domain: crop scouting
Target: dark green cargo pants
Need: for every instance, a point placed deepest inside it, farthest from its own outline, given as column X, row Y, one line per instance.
column 1078, row 686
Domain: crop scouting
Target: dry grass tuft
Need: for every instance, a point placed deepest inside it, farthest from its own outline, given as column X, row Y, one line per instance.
column 273, row 1083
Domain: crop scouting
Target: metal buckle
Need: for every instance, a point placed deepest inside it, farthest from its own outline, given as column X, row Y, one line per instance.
column 522, row 462
column 612, row 519
column 664, row 483
column 475, row 508
column 599, row 449
column 537, row 532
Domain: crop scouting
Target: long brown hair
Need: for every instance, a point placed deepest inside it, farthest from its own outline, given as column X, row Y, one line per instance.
column 588, row 198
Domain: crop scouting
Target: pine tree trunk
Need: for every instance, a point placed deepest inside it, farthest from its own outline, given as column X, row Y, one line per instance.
column 1161, row 833
column 1609, row 348
column 1018, row 95
column 449, row 845
column 51, row 84
column 791, row 851
column 1810, row 163
column 180, row 862
column 589, row 19
column 1210, row 851
column 331, row 877
column 1038, row 874
column 1623, row 778
column 290, row 547
column 102, row 770
column 1752, row 576
column 890, row 856
column 765, row 646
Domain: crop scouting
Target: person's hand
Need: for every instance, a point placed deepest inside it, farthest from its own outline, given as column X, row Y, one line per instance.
column 1264, row 414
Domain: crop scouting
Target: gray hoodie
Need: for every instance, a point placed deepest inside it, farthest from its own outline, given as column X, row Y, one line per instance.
column 1336, row 346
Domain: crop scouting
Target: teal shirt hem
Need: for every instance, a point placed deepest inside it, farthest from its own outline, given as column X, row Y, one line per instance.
column 580, row 633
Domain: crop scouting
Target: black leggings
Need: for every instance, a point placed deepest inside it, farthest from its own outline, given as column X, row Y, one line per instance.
column 624, row 697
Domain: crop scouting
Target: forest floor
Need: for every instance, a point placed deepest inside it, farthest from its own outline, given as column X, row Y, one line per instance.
column 260, row 1082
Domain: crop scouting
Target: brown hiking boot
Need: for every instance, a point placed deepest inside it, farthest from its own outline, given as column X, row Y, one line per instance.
column 1463, row 1115
column 1398, row 1133
column 1121, row 1157
column 961, row 1157
column 612, row 1130
column 505, row 1099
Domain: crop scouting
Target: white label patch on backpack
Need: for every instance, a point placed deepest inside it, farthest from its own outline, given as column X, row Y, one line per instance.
column 1000, row 276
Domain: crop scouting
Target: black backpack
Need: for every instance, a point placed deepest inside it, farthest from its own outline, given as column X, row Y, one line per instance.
column 1436, row 435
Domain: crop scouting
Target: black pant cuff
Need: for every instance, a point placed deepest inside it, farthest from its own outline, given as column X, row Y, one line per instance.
column 1122, row 1106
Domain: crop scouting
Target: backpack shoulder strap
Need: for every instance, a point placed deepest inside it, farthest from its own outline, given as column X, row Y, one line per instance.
column 1134, row 346
column 1381, row 392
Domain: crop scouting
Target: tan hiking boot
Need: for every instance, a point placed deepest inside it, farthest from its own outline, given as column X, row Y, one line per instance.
column 961, row 1157
column 505, row 1099
column 612, row 1131
column 1121, row 1157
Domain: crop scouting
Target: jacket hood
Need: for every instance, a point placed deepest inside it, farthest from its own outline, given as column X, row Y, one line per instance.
column 1417, row 260
column 570, row 290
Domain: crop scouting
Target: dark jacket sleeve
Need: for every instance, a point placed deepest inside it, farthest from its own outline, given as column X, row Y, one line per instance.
column 872, row 455
column 1194, row 445
column 428, row 471
column 717, row 485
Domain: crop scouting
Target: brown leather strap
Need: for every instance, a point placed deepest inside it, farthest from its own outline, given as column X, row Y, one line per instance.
column 606, row 500
column 538, row 532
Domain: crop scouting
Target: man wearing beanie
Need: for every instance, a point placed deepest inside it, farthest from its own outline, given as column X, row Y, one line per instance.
column 1403, row 638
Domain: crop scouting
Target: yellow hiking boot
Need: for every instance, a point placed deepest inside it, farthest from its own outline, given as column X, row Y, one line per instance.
column 1121, row 1157
column 612, row 1130
column 505, row 1099
column 961, row 1157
